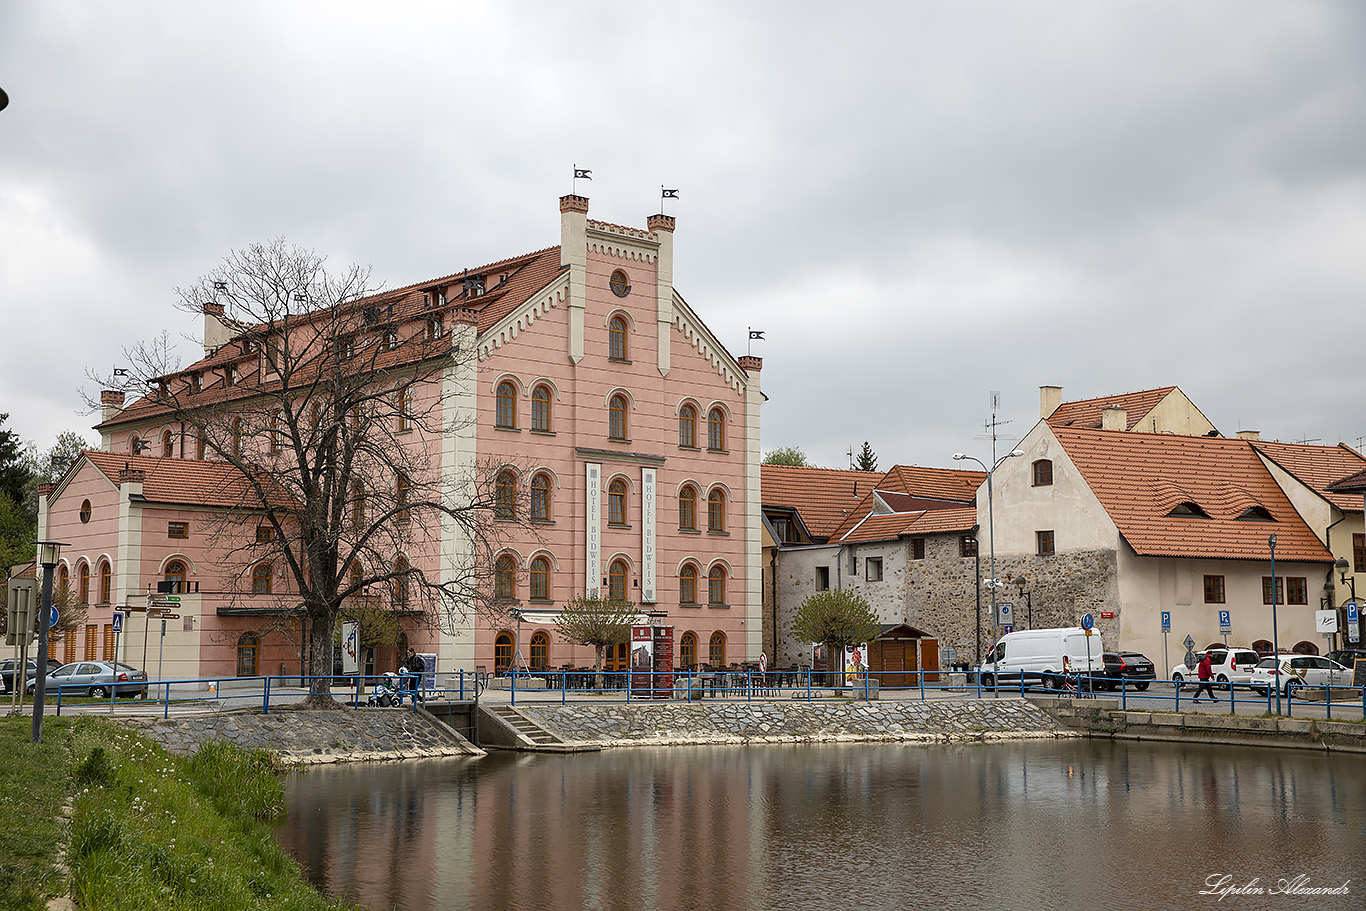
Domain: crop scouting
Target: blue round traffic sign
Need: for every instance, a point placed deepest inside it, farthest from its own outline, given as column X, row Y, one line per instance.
column 52, row 617
column 1088, row 621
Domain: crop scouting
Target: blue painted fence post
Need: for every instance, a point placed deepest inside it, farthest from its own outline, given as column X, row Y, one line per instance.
column 265, row 699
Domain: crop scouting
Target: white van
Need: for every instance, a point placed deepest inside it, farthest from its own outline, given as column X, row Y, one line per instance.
column 1037, row 655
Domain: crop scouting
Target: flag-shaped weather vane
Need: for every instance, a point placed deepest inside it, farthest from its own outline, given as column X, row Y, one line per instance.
column 665, row 194
column 753, row 334
column 579, row 174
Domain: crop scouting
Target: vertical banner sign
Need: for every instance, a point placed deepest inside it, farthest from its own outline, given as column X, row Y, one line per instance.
column 593, row 530
column 647, row 543
column 350, row 647
column 642, row 660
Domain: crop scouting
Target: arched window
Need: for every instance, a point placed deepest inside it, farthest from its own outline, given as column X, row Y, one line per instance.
column 248, row 655
column 616, row 338
column 401, row 579
column 402, row 490
column 1305, row 648
column 405, row 408
column 83, row 582
column 540, row 409
column 716, row 430
column 616, row 580
column 505, row 495
column 716, row 511
column 540, row 498
column 616, row 502
column 506, row 413
column 63, row 582
column 539, row 588
column 1262, row 647
column 687, row 652
column 175, row 574
column 167, row 447
column 502, row 653
column 716, row 649
column 716, row 587
column 687, row 585
column 687, row 508
column 135, row 444
column 687, row 427
column 540, row 651
column 504, row 578
column 1043, row 473
column 106, row 582
column 261, row 579
column 616, row 418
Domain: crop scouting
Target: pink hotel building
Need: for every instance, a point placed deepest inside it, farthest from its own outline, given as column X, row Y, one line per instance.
column 635, row 432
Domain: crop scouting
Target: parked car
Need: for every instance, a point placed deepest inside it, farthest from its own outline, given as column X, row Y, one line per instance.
column 1292, row 673
column 1348, row 657
column 1042, row 655
column 7, row 673
column 1230, row 665
column 1137, row 670
column 96, row 678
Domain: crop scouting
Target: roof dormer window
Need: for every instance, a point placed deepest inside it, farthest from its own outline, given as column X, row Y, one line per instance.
column 1256, row 514
column 1188, row 509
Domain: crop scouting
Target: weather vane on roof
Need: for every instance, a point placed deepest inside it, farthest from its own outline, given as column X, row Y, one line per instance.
column 665, row 194
column 753, row 334
column 579, row 174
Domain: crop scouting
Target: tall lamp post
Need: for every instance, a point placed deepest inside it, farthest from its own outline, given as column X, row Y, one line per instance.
column 1275, row 640
column 1020, row 583
column 991, row 530
column 49, row 552
column 1342, row 566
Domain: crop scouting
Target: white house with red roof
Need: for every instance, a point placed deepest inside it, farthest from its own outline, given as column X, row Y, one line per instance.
column 632, row 430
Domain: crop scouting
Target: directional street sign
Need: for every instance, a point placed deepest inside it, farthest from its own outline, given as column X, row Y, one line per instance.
column 1166, row 621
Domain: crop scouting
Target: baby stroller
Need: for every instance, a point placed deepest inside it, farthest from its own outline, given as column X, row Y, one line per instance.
column 392, row 687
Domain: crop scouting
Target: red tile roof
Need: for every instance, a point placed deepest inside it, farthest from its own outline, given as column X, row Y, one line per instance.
column 889, row 526
column 1087, row 412
column 823, row 497
column 184, row 481
column 953, row 484
column 1319, row 467
column 1354, row 484
column 1140, row 477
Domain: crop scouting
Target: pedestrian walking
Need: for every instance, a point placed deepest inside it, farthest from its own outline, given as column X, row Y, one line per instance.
column 1204, row 671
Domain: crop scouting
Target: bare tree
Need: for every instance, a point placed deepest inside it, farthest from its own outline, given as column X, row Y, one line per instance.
column 599, row 622
column 332, row 403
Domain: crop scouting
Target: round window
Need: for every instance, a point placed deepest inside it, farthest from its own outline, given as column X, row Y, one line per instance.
column 619, row 285
column 85, row 511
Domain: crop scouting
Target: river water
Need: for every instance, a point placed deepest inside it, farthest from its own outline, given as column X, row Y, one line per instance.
column 1057, row 825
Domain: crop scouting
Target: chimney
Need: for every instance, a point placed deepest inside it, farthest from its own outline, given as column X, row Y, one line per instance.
column 1050, row 398
column 111, row 404
column 1249, row 434
column 1112, row 417
column 574, row 254
column 216, row 331
column 751, row 364
column 662, row 226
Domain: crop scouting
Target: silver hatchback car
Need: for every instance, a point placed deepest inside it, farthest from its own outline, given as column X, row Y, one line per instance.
column 96, row 678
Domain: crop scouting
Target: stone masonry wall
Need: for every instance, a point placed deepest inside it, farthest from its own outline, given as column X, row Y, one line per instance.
column 796, row 722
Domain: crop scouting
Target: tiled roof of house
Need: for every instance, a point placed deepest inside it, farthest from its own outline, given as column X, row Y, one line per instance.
column 823, row 497
column 1087, row 412
column 889, row 526
column 185, row 481
column 1140, row 477
column 525, row 275
column 1354, row 484
column 953, row 484
column 1319, row 467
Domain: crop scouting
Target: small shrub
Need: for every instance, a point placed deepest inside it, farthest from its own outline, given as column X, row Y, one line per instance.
column 95, row 769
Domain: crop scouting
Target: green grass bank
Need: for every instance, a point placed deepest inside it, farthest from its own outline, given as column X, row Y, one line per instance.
column 147, row 830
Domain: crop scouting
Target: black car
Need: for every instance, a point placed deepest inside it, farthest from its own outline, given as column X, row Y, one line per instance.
column 1348, row 657
column 7, row 673
column 1132, row 667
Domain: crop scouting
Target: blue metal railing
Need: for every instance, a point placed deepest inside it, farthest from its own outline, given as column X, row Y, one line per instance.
column 691, row 685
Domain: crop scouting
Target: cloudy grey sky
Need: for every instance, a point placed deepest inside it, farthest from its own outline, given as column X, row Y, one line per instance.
column 918, row 202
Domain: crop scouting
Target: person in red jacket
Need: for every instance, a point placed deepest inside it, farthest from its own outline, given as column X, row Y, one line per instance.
column 1205, row 672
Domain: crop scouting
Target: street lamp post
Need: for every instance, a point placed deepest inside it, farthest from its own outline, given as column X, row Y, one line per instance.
column 991, row 530
column 1342, row 566
column 1020, row 583
column 1275, row 640
column 49, row 552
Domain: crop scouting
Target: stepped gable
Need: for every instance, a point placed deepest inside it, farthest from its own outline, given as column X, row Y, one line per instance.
column 190, row 482
column 1136, row 476
column 1319, row 467
column 823, row 497
column 1087, row 412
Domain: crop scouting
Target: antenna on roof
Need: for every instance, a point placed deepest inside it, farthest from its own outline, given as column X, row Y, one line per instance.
column 1303, row 442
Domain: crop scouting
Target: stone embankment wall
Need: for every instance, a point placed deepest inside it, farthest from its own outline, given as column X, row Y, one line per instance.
column 1103, row 718
column 654, row 724
column 346, row 735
